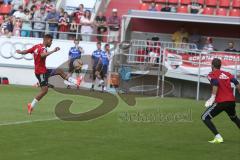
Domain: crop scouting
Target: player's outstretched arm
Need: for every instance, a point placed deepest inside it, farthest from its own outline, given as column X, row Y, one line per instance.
column 22, row 52
column 45, row 54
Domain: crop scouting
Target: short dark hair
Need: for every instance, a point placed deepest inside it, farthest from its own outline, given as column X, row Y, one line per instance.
column 216, row 63
column 48, row 36
column 106, row 45
column 99, row 43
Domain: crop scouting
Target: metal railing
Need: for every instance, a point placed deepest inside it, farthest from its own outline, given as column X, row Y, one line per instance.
column 181, row 58
column 66, row 35
column 143, row 51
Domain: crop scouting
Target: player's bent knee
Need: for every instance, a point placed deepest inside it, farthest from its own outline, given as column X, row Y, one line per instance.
column 205, row 117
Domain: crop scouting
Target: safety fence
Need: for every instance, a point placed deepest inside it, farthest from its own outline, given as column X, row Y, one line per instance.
column 180, row 61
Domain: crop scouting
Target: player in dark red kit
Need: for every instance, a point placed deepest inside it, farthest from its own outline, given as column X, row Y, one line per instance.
column 40, row 54
column 222, row 98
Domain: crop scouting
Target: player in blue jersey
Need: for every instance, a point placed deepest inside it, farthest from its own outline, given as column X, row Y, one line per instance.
column 104, row 60
column 74, row 55
column 96, row 64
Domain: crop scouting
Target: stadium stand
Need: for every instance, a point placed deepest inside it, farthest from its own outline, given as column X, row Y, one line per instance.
column 224, row 3
column 210, row 7
column 208, row 11
column 173, row 2
column 212, row 3
column 182, row 9
column 236, row 4
column 221, row 12
column 235, row 12
column 185, row 2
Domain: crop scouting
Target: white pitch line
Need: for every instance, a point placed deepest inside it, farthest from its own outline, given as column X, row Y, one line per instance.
column 28, row 121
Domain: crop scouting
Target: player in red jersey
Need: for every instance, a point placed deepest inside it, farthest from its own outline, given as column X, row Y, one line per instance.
column 222, row 98
column 40, row 54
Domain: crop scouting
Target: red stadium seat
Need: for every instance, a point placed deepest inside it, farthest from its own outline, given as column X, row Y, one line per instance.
column 236, row 4
column 201, row 1
column 160, row 1
column 234, row 13
column 182, row 9
column 221, row 12
column 208, row 11
column 224, row 3
column 158, row 7
column 185, row 1
column 144, row 6
column 212, row 3
column 5, row 9
column 173, row 1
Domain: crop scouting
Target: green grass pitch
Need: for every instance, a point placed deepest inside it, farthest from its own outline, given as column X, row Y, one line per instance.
column 112, row 136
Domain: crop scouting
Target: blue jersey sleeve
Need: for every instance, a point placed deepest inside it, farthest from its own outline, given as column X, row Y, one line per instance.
column 214, row 82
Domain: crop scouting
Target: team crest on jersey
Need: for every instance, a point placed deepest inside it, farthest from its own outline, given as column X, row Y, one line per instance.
column 223, row 76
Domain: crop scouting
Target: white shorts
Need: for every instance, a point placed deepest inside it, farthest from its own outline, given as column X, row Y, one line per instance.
column 113, row 36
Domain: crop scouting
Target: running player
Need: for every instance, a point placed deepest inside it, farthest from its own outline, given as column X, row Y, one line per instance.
column 222, row 98
column 105, row 58
column 96, row 64
column 40, row 54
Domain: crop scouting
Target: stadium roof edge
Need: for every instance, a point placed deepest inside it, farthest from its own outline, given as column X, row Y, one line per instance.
column 183, row 17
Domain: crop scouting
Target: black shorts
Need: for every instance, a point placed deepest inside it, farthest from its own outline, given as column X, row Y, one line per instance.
column 43, row 78
column 97, row 68
column 71, row 67
column 104, row 70
column 216, row 108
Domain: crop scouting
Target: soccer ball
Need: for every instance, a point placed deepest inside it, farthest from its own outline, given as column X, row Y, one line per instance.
column 77, row 64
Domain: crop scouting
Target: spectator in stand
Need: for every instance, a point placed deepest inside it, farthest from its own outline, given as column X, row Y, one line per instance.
column 52, row 19
column 73, row 29
column 61, row 12
column 101, row 24
column 195, row 8
column 17, row 25
column 40, row 4
column 169, row 8
column 31, row 3
column 49, row 6
column 166, row 8
column 114, row 26
column 77, row 15
column 152, row 7
column 208, row 44
column 26, row 25
column 33, row 10
column 39, row 25
column 63, row 24
column 7, row 26
column 185, row 44
column 19, row 13
column 178, row 36
column 196, row 38
column 231, row 47
column 87, row 26
column 15, row 5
